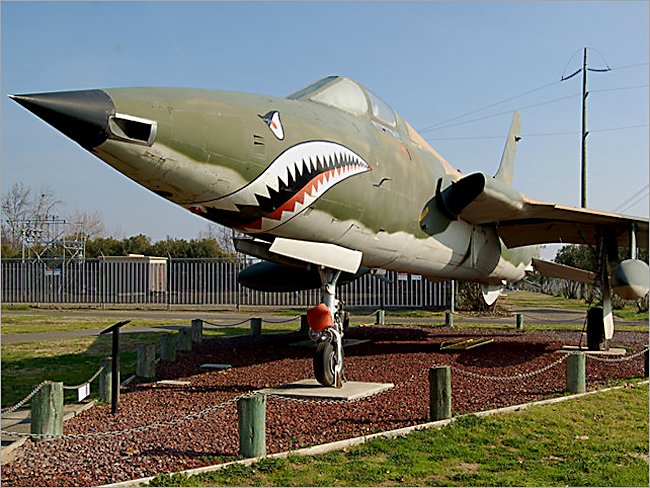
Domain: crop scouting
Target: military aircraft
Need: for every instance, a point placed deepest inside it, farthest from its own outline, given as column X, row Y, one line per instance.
column 330, row 183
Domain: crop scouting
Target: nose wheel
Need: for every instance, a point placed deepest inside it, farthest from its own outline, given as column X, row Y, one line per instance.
column 326, row 329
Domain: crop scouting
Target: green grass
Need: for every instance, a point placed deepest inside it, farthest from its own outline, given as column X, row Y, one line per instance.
column 46, row 322
column 531, row 299
column 600, row 440
column 73, row 361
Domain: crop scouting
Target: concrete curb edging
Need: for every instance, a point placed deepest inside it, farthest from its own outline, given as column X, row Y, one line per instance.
column 338, row 445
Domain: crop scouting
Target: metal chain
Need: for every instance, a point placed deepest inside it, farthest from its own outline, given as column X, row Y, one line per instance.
column 617, row 360
column 92, row 378
column 281, row 321
column 225, row 325
column 511, row 378
column 133, row 430
column 551, row 321
column 36, row 389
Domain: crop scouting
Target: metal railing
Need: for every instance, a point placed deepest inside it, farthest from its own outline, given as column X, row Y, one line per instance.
column 170, row 282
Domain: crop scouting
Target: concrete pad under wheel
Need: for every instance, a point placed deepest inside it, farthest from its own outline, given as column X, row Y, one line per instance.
column 352, row 390
column 612, row 351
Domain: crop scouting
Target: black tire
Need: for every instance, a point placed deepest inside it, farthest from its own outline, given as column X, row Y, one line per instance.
column 324, row 364
column 596, row 330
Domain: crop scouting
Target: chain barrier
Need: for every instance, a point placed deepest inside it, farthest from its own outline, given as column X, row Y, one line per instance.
column 92, row 378
column 617, row 360
column 552, row 321
column 22, row 402
column 214, row 324
column 371, row 313
column 133, row 430
column 518, row 376
column 268, row 321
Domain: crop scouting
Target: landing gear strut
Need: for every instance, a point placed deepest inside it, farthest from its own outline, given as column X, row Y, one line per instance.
column 327, row 332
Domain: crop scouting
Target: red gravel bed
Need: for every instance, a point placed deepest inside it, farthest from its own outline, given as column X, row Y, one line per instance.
column 398, row 355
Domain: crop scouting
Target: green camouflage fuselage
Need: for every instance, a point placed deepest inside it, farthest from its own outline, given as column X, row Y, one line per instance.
column 368, row 186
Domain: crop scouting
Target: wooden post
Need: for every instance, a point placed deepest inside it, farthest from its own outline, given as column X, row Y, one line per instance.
column 168, row 345
column 519, row 321
column 197, row 330
column 575, row 373
column 146, row 362
column 106, row 381
column 47, row 410
column 380, row 317
column 440, row 393
column 256, row 327
column 449, row 319
column 251, row 412
column 304, row 324
column 645, row 363
column 184, row 339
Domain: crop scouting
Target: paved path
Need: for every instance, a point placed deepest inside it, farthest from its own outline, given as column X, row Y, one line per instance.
column 537, row 316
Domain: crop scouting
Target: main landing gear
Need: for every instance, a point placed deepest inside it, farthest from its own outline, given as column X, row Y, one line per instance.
column 326, row 328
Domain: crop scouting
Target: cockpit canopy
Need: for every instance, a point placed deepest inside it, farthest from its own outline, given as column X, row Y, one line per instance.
column 347, row 95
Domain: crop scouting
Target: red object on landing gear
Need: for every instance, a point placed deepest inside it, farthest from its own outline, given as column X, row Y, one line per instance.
column 319, row 318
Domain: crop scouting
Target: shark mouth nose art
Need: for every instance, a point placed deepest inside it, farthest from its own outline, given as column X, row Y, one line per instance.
column 291, row 183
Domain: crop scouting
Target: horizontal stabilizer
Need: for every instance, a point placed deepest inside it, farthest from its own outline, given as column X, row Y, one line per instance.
column 556, row 270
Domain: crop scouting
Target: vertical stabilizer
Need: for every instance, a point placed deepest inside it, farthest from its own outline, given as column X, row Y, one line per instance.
column 507, row 166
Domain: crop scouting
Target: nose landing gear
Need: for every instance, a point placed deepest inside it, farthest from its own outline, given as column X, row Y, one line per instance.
column 326, row 329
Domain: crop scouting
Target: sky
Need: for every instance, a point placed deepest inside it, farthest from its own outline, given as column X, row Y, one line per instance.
column 443, row 66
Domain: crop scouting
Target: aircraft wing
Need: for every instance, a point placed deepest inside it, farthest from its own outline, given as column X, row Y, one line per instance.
column 542, row 223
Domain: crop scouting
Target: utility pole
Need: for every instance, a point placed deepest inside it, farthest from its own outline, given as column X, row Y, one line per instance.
column 584, row 132
column 583, row 153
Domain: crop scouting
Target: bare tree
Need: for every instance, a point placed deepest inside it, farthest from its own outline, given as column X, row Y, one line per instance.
column 16, row 204
column 223, row 235
column 87, row 225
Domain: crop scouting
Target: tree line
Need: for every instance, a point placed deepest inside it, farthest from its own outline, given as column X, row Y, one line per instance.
column 33, row 223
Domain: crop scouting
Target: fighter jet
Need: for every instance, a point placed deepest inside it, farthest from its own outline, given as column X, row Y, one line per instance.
column 330, row 183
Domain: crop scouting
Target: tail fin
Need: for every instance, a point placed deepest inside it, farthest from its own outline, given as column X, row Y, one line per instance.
column 507, row 166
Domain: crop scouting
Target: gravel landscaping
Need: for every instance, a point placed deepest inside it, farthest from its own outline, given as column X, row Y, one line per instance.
column 399, row 355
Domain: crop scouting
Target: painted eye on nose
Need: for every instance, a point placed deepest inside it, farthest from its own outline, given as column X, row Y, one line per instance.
column 272, row 119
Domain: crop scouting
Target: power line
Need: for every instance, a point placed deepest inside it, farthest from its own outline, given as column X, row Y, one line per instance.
column 632, row 197
column 629, row 66
column 631, row 205
column 485, row 107
column 620, row 88
column 544, row 134
column 430, row 129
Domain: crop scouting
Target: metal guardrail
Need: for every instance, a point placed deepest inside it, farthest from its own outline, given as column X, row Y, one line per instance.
column 162, row 281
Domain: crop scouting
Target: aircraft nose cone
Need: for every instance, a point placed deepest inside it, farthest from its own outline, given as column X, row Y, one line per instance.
column 80, row 115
